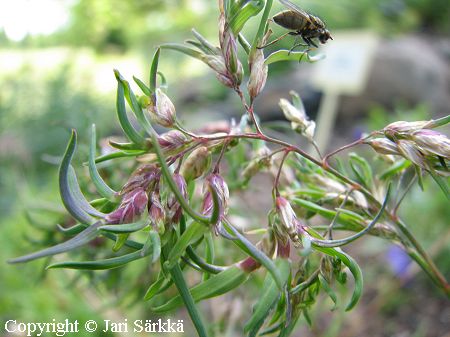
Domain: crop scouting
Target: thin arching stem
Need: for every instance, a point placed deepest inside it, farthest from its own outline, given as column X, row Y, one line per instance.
column 222, row 152
column 336, row 216
column 355, row 143
column 280, row 168
column 249, row 109
column 399, row 201
column 314, row 144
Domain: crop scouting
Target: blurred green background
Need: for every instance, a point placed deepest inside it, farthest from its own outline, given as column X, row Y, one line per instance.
column 56, row 62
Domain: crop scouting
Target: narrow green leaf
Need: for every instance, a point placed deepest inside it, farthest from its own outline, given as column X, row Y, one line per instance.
column 280, row 311
column 309, row 282
column 202, row 264
column 154, row 70
column 287, row 331
column 268, row 299
column 349, row 219
column 231, row 6
column 119, row 154
column 217, row 285
column 102, row 188
column 209, row 253
column 146, row 90
column 419, row 176
column 69, row 200
column 311, row 206
column 125, row 146
column 244, row 43
column 78, row 228
column 351, row 216
column 163, row 84
column 255, row 253
column 285, row 55
column 161, row 284
column 310, row 193
column 127, row 128
column 78, row 195
column 73, row 230
column 81, row 239
column 136, row 108
column 341, row 242
column 101, row 203
column 442, row 183
column 198, row 45
column 262, row 24
column 307, row 317
column 205, row 266
column 438, row 122
column 193, row 232
column 120, row 241
column 182, row 49
column 111, row 263
column 352, row 266
column 297, row 101
column 241, row 14
column 207, row 46
column 126, row 228
column 189, row 303
column 362, row 169
column 330, row 292
column 272, row 329
column 215, row 213
column 156, row 245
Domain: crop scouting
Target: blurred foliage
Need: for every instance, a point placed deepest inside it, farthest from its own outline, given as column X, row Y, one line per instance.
column 36, row 112
column 26, row 296
column 108, row 24
column 379, row 117
column 122, row 25
column 387, row 16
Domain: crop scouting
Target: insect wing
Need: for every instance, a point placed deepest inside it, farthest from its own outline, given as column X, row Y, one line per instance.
column 295, row 8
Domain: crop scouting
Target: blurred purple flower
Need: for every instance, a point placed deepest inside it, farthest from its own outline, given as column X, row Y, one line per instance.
column 358, row 132
column 399, row 261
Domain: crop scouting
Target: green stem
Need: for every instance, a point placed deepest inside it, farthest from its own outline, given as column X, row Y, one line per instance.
column 246, row 246
column 439, row 122
column 304, row 285
column 262, row 24
column 441, row 281
column 177, row 276
column 173, row 186
column 342, row 242
column 183, row 202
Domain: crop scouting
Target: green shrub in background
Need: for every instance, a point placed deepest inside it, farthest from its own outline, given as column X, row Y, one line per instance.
column 35, row 113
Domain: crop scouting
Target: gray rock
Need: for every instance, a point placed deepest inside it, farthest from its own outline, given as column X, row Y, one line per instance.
column 409, row 70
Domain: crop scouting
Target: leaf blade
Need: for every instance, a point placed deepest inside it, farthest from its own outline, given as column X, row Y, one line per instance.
column 81, row 239
column 69, row 200
column 102, row 188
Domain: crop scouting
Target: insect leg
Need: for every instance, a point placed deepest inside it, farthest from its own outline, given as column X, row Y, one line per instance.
column 310, row 42
column 274, row 41
column 296, row 44
column 307, row 55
